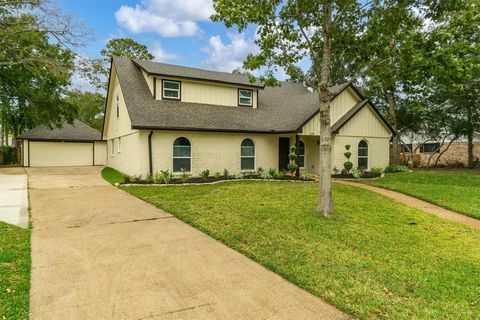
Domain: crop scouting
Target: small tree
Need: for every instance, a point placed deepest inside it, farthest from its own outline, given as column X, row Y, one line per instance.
column 292, row 165
column 347, row 164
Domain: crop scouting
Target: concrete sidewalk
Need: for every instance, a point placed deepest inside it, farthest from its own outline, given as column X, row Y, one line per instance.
column 14, row 196
column 417, row 203
column 100, row 253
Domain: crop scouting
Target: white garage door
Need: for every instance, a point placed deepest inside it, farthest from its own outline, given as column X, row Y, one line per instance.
column 48, row 154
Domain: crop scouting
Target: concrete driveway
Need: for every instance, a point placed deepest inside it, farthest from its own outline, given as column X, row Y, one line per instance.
column 14, row 196
column 99, row 253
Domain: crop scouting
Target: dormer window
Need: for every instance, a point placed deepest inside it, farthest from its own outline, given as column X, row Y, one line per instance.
column 118, row 106
column 245, row 98
column 171, row 90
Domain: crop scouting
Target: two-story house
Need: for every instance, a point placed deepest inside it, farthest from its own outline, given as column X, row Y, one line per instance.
column 160, row 116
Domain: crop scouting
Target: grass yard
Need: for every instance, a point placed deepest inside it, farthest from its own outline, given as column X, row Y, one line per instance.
column 457, row 190
column 375, row 259
column 14, row 272
column 111, row 175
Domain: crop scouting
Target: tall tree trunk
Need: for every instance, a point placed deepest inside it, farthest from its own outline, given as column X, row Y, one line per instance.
column 325, row 204
column 470, row 135
column 444, row 150
column 2, row 138
column 470, row 149
column 435, row 151
column 392, row 112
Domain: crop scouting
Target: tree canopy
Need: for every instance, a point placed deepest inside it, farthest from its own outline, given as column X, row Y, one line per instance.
column 96, row 70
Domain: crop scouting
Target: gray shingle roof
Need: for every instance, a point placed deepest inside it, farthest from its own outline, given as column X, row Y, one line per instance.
column 77, row 131
column 280, row 109
column 172, row 70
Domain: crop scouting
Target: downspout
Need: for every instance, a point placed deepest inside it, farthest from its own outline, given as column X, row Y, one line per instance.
column 150, row 164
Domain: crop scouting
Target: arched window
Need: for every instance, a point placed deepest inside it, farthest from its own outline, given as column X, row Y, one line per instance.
column 182, row 155
column 363, row 154
column 301, row 154
column 247, row 155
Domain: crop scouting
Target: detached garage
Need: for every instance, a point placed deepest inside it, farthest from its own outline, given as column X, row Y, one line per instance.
column 72, row 145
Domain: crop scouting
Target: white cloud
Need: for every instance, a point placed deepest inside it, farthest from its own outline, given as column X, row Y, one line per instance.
column 167, row 18
column 227, row 57
column 161, row 55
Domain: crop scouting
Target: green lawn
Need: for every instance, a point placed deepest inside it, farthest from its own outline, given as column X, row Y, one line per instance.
column 374, row 259
column 457, row 190
column 14, row 272
column 111, row 175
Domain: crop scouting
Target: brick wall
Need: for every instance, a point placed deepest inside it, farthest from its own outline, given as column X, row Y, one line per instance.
column 457, row 153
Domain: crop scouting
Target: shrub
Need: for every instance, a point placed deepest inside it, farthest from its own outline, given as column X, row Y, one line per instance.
column 127, row 179
column 306, row 176
column 394, row 168
column 136, row 178
column 335, row 170
column 272, row 172
column 260, row 170
column 166, row 176
column 292, row 167
column 347, row 164
column 149, row 178
column 279, row 174
column 292, row 164
column 226, row 174
column 205, row 174
column 377, row 171
column 239, row 175
column 157, row 177
column 217, row 175
column 266, row 175
column 8, row 155
column 184, row 176
column 357, row 173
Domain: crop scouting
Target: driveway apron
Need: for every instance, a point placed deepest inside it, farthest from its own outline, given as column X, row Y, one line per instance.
column 100, row 253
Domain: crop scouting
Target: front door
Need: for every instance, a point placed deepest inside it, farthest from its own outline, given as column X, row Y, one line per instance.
column 283, row 150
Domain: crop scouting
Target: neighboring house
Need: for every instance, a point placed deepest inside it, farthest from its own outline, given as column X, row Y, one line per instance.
column 74, row 144
column 168, row 117
column 420, row 152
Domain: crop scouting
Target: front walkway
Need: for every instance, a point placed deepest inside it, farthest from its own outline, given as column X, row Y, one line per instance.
column 417, row 203
column 100, row 253
column 14, row 196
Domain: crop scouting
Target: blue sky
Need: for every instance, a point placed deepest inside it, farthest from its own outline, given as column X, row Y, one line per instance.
column 177, row 32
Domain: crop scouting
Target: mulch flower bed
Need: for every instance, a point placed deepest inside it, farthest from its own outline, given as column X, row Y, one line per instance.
column 349, row 176
column 212, row 179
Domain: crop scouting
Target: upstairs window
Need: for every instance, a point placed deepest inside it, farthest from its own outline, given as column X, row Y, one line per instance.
column 118, row 106
column 363, row 155
column 247, row 155
column 171, row 89
column 245, row 98
column 182, row 155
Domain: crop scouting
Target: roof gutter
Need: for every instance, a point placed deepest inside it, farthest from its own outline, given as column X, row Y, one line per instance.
column 150, row 162
column 138, row 127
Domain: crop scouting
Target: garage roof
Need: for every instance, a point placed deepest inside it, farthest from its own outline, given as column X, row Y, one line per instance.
column 77, row 131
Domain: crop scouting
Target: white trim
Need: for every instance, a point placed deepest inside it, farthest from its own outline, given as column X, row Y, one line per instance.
column 363, row 157
column 254, row 156
column 191, row 156
column 170, row 89
column 304, row 152
column 119, row 145
column 240, row 96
